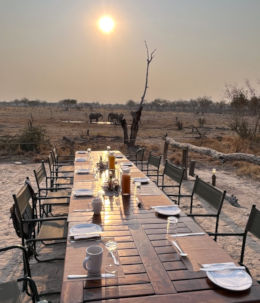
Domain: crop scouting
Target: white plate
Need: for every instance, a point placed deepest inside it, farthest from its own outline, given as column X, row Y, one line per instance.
column 171, row 210
column 80, row 160
column 231, row 279
column 142, row 180
column 83, row 192
column 85, row 229
column 83, row 171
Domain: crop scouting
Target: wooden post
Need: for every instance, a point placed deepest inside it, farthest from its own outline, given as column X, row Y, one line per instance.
column 192, row 168
column 185, row 162
column 165, row 151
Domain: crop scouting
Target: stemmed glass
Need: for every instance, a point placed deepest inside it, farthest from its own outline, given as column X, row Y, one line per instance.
column 112, row 247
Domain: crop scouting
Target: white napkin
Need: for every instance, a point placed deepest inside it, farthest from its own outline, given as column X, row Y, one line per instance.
column 83, row 171
column 80, row 160
column 83, row 192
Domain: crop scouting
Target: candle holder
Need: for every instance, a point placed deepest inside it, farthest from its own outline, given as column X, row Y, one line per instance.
column 214, row 178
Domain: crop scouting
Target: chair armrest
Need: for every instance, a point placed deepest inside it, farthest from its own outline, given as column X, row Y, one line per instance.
column 44, row 219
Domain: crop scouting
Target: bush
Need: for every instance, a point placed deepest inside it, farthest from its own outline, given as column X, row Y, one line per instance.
column 32, row 138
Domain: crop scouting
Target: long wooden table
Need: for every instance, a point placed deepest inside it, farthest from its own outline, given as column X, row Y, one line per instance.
column 153, row 271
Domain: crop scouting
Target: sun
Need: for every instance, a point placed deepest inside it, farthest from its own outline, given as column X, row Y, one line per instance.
column 106, row 24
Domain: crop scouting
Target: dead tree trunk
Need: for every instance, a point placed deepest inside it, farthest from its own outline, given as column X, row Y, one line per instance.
column 136, row 116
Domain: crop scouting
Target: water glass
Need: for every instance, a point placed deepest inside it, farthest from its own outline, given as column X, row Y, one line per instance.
column 172, row 223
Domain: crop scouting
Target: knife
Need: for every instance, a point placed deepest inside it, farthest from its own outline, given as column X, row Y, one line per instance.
column 189, row 234
column 107, row 275
column 221, row 268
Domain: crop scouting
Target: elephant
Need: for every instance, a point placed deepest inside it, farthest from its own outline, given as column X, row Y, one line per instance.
column 95, row 116
column 115, row 118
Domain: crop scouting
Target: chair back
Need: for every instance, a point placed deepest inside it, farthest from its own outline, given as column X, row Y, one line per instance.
column 40, row 175
column 253, row 223
column 209, row 193
column 174, row 172
column 139, row 154
column 154, row 160
column 24, row 211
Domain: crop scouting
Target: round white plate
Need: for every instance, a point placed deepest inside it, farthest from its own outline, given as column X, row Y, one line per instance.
column 85, row 228
column 231, row 279
column 171, row 210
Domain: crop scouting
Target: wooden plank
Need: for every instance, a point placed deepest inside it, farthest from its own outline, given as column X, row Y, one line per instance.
column 169, row 257
column 117, row 292
column 193, row 285
column 134, row 269
column 155, row 270
column 72, row 292
column 176, row 265
column 186, row 275
column 203, row 296
column 128, row 252
column 164, row 250
column 124, row 245
column 127, row 279
column 130, row 260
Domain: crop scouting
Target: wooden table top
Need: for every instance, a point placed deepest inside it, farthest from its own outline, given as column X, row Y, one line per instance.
column 153, row 271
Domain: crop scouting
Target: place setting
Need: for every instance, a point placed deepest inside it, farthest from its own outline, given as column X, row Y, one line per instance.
column 97, row 259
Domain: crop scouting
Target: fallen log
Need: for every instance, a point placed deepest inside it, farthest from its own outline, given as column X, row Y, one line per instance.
column 211, row 152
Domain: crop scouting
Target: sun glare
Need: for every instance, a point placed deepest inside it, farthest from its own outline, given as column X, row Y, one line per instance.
column 106, row 24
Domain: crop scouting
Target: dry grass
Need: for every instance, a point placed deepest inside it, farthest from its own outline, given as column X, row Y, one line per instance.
column 153, row 127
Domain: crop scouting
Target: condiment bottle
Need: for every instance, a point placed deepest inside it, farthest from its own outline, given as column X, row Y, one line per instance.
column 125, row 181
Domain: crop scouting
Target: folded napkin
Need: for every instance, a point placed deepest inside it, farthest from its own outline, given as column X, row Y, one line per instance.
column 83, row 192
column 86, row 236
column 141, row 180
column 80, row 160
column 126, row 164
column 83, row 171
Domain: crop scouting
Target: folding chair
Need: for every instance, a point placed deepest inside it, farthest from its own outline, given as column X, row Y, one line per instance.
column 138, row 157
column 10, row 292
column 155, row 162
column 210, row 194
column 62, row 163
column 252, row 226
column 58, row 177
column 176, row 174
column 32, row 229
column 49, row 196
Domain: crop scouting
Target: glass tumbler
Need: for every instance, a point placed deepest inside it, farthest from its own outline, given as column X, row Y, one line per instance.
column 172, row 223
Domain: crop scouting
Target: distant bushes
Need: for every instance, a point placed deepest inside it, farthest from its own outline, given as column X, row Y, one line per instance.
column 32, row 138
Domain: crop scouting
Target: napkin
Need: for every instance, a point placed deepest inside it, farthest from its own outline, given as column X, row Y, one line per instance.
column 80, row 160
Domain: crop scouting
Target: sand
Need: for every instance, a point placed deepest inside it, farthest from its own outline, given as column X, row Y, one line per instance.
column 49, row 275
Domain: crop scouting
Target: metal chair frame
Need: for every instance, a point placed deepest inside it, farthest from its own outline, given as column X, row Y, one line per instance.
column 155, row 162
column 213, row 196
column 29, row 223
column 44, row 193
column 252, row 226
column 27, row 277
column 176, row 174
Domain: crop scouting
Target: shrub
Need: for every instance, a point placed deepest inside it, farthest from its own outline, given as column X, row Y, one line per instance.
column 32, row 138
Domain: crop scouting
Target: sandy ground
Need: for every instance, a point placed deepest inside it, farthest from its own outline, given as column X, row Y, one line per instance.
column 48, row 276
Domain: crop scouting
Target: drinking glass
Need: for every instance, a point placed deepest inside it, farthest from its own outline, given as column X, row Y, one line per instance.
column 171, row 227
column 112, row 249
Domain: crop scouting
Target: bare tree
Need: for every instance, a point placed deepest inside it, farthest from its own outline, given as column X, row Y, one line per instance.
column 136, row 115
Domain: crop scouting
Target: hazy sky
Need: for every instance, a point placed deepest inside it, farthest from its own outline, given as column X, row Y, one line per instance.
column 53, row 49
